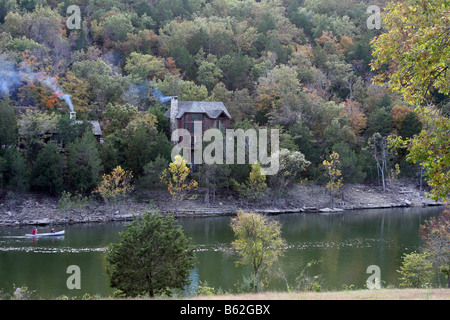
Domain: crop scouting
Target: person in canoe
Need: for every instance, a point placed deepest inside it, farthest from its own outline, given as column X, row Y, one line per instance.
column 53, row 230
column 34, row 231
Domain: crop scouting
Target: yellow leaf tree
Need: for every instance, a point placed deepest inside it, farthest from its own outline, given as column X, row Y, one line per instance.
column 115, row 185
column 411, row 57
column 176, row 178
column 334, row 174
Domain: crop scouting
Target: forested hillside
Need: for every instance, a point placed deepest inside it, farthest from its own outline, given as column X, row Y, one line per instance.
column 302, row 66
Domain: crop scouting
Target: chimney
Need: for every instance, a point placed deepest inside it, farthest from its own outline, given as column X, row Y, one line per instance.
column 73, row 115
column 173, row 114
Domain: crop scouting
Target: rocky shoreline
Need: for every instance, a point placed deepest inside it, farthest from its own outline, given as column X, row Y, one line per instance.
column 36, row 209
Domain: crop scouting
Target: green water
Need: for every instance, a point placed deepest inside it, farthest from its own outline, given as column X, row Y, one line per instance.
column 347, row 243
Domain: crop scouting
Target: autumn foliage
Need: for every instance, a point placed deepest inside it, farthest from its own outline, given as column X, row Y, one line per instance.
column 176, row 178
column 334, row 174
column 115, row 185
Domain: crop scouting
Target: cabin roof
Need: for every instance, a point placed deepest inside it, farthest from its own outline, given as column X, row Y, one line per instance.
column 213, row 109
column 95, row 127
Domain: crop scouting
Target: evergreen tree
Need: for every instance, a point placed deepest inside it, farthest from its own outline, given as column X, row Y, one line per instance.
column 152, row 257
column 16, row 171
column 410, row 126
column 8, row 124
column 83, row 163
column 48, row 169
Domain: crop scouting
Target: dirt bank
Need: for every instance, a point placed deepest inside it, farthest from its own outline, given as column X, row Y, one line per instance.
column 38, row 209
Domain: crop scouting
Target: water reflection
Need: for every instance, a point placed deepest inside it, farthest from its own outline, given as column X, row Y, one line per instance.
column 346, row 243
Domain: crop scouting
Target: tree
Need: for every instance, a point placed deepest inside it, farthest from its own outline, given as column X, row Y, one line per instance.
column 277, row 94
column 410, row 126
column 213, row 177
column 436, row 235
column 356, row 116
column 67, row 130
column 8, row 124
column 83, row 163
column 176, row 179
column 115, row 26
column 34, row 126
column 139, row 150
column 130, row 138
column 115, row 185
column 430, row 149
column 399, row 114
column 351, row 163
column 17, row 170
column 411, row 56
column 152, row 173
column 255, row 186
column 208, row 71
column 334, row 174
column 48, row 169
column 380, row 149
column 145, row 66
column 416, row 270
column 152, row 257
column 380, row 120
column 292, row 164
column 258, row 242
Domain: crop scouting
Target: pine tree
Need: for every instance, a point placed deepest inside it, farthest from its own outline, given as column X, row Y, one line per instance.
column 48, row 169
column 83, row 163
column 152, row 257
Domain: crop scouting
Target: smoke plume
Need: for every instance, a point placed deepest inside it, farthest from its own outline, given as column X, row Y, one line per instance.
column 12, row 77
column 161, row 97
column 9, row 77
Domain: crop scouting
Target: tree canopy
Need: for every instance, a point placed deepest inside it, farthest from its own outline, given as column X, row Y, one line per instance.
column 301, row 67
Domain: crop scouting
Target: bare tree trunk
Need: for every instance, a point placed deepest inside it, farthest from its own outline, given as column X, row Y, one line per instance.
column 421, row 177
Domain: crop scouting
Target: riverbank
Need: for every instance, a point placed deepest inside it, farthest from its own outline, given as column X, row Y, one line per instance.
column 37, row 209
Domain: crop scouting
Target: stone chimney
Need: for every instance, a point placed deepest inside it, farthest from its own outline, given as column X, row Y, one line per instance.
column 173, row 114
column 173, row 119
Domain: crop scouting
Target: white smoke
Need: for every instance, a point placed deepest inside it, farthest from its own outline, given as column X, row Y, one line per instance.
column 9, row 77
column 12, row 76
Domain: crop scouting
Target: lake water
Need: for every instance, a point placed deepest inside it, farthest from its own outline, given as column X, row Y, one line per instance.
column 346, row 243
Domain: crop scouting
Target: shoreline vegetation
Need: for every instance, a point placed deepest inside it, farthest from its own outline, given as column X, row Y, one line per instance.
column 38, row 209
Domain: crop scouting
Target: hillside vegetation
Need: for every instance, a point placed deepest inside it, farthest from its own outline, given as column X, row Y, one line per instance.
column 302, row 67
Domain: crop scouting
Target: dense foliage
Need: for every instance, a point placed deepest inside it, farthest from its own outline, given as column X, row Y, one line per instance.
column 152, row 256
column 299, row 66
column 413, row 58
column 259, row 244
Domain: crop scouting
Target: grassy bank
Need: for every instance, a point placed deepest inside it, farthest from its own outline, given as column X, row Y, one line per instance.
column 382, row 294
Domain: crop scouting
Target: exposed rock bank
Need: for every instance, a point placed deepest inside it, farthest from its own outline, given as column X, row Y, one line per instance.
column 36, row 209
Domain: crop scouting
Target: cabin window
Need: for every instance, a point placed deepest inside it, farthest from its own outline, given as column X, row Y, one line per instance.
column 218, row 124
column 190, row 120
